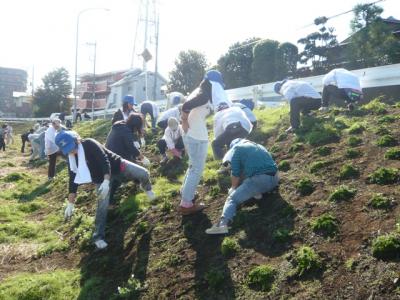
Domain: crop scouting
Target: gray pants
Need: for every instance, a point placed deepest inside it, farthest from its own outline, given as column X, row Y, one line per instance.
column 130, row 171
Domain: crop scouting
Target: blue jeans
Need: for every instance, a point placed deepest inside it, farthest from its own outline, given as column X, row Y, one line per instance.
column 130, row 172
column 250, row 187
column 197, row 152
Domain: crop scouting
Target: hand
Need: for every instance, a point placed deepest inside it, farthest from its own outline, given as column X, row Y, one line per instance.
column 69, row 210
column 104, row 188
column 145, row 161
column 175, row 152
column 137, row 145
column 142, row 141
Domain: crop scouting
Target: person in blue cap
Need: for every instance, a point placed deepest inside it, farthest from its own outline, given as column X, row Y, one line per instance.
column 254, row 172
column 91, row 162
column 302, row 98
column 127, row 107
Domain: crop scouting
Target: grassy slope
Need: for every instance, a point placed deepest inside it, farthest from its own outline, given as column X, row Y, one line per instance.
column 171, row 257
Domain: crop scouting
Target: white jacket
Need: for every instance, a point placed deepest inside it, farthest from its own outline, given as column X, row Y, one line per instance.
column 50, row 146
column 342, row 79
column 294, row 89
column 224, row 118
column 171, row 136
column 172, row 112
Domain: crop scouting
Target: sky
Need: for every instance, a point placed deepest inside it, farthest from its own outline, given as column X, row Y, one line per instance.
column 40, row 36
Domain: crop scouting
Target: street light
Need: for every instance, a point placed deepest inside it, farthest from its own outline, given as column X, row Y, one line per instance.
column 76, row 51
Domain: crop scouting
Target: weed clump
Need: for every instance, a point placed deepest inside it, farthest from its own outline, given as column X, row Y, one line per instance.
column 12, row 177
column 393, row 153
column 307, row 260
column 142, row 227
column 318, row 165
column 305, row 186
column 322, row 135
column 282, row 235
column 284, row 166
column 323, row 151
column 379, row 201
column 354, row 141
column 349, row 172
column 282, row 137
column 229, row 247
column 325, row 224
column 261, row 278
column 275, row 149
column 343, row 193
column 131, row 289
column 381, row 130
column 386, row 246
column 356, row 128
column 384, row 176
column 215, row 279
column 352, row 153
column 386, row 141
column 387, row 119
column 296, row 147
column 376, row 107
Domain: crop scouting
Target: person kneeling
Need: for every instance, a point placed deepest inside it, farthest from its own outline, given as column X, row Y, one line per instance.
column 91, row 162
column 171, row 140
column 260, row 176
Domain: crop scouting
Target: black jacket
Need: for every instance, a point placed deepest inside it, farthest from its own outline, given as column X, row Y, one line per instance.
column 200, row 98
column 100, row 162
column 120, row 141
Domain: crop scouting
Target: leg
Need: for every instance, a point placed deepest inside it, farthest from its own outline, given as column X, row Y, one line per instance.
column 52, row 165
column 101, row 217
column 310, row 105
column 197, row 151
column 162, row 146
column 135, row 172
column 114, row 185
column 295, row 107
column 23, row 145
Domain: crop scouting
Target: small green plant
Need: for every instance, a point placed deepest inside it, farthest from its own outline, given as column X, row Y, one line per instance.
column 384, row 176
column 307, row 260
column 261, row 278
column 386, row 246
column 296, row 147
column 376, row 106
column 284, row 166
column 215, row 279
column 275, row 149
column 318, row 165
column 142, row 227
column 386, row 141
column 323, row 151
column 282, row 137
column 350, row 264
column 287, row 211
column 387, row 119
column 393, row 153
column 322, row 135
column 379, row 201
column 352, row 153
column 131, row 289
column 354, row 141
column 381, row 130
column 343, row 193
column 356, row 128
column 229, row 247
column 305, row 186
column 325, row 224
column 349, row 172
column 12, row 177
column 166, row 206
column 282, row 235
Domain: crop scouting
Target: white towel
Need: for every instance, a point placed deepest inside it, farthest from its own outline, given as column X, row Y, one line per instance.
column 82, row 171
column 219, row 95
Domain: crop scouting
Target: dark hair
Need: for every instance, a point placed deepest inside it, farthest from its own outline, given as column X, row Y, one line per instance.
column 135, row 121
column 125, row 107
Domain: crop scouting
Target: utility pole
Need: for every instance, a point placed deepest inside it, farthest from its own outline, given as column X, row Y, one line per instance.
column 94, row 77
column 156, row 60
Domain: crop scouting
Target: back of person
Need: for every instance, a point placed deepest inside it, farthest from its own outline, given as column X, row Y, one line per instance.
column 116, row 140
column 197, row 121
column 228, row 116
column 294, row 89
column 342, row 79
column 249, row 114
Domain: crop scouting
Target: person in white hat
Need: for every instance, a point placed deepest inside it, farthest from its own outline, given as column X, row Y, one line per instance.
column 171, row 140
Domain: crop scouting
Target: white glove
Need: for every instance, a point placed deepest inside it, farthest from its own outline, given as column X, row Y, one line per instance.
column 230, row 191
column 145, row 161
column 136, row 144
column 104, row 188
column 69, row 211
column 142, row 141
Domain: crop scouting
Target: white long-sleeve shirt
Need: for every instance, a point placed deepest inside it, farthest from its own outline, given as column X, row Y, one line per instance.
column 218, row 95
column 294, row 89
column 342, row 79
column 249, row 114
column 50, row 146
column 171, row 136
column 172, row 112
column 224, row 118
column 156, row 109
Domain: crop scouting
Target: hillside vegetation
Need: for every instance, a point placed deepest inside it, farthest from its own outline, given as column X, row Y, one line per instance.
column 330, row 231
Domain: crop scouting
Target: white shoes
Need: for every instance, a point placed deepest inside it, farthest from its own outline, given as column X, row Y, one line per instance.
column 100, row 244
column 258, row 196
column 215, row 229
column 150, row 194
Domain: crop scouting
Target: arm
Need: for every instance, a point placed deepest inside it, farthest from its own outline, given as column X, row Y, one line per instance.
column 117, row 116
column 202, row 96
column 129, row 144
column 99, row 155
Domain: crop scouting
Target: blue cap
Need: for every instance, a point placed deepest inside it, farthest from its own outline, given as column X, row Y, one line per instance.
column 278, row 86
column 176, row 100
column 66, row 141
column 214, row 75
column 129, row 99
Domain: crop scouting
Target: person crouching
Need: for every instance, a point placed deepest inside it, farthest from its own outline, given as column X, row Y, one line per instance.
column 171, row 140
column 91, row 162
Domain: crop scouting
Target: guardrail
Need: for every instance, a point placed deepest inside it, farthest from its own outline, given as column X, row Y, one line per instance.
column 370, row 77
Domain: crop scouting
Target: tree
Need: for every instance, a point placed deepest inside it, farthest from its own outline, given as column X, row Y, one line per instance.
column 287, row 60
column 318, row 45
column 372, row 43
column 53, row 95
column 235, row 65
column 190, row 67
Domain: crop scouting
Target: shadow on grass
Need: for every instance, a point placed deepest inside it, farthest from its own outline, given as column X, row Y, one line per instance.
column 208, row 258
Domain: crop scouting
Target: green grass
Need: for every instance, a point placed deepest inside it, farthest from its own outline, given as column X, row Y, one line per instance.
column 296, row 147
column 229, row 247
column 343, row 193
column 305, row 186
column 323, row 151
column 325, row 224
column 349, row 172
column 354, row 141
column 56, row 285
column 307, row 261
column 384, row 176
column 386, row 141
column 376, row 106
column 356, row 128
column 284, row 166
column 323, row 135
column 215, row 279
column 261, row 278
column 381, row 130
column 386, row 246
column 393, row 154
column 387, row 119
column 379, row 201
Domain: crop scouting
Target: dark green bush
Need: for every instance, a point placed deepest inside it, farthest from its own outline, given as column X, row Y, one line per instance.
column 284, row 166
column 384, row 176
column 305, row 186
column 307, row 260
column 354, row 141
column 379, row 201
column 386, row 141
column 386, row 246
column 325, row 224
column 352, row 153
column 342, row 193
column 261, row 278
column 393, row 153
column 229, row 247
column 349, row 172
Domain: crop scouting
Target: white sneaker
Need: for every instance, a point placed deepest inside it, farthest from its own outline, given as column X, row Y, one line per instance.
column 258, row 196
column 100, row 244
column 215, row 229
column 150, row 194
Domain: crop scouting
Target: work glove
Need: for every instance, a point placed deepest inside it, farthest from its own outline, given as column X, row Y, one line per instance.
column 176, row 152
column 142, row 142
column 69, row 210
column 145, row 161
column 104, row 188
column 137, row 145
